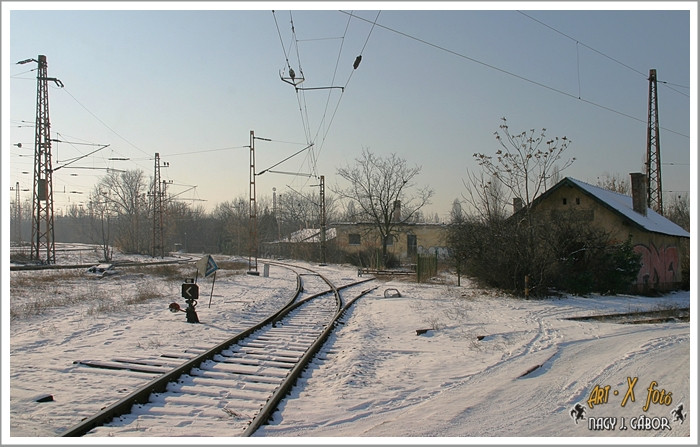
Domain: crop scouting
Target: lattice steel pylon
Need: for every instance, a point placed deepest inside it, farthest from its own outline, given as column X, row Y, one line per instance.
column 42, row 198
column 157, row 195
column 653, row 161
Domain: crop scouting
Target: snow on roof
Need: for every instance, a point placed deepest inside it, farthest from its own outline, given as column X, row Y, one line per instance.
column 622, row 204
column 310, row 235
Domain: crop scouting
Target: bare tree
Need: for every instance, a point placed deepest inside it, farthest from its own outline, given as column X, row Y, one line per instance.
column 486, row 197
column 124, row 195
column 100, row 212
column 350, row 213
column 233, row 219
column 614, row 183
column 526, row 161
column 679, row 211
column 378, row 186
column 499, row 250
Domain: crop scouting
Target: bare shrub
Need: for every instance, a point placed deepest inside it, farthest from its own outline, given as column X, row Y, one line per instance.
column 103, row 305
column 165, row 271
column 144, row 292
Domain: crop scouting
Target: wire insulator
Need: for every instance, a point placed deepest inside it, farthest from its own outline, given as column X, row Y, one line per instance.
column 356, row 64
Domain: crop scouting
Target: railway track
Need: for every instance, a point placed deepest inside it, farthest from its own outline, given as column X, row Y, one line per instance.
column 233, row 387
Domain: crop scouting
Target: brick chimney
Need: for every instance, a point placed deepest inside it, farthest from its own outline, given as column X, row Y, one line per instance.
column 517, row 204
column 397, row 211
column 639, row 192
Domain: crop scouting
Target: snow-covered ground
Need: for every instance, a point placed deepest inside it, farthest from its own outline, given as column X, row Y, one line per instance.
column 489, row 367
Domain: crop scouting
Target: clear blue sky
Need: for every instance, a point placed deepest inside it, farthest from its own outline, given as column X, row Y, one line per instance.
column 191, row 80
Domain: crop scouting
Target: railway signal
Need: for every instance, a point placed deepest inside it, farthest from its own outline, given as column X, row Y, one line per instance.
column 190, row 292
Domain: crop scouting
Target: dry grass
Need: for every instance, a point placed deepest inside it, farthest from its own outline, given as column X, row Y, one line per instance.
column 43, row 277
column 164, row 271
column 47, row 296
column 144, row 293
column 232, row 265
column 39, row 293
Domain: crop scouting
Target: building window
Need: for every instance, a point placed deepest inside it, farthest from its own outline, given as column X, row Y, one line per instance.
column 563, row 201
column 389, row 240
column 578, row 201
column 411, row 244
column 354, row 239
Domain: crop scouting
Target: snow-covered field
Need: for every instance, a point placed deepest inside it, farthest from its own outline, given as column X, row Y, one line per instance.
column 491, row 368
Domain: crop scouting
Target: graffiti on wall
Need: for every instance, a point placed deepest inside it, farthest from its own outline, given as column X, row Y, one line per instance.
column 659, row 265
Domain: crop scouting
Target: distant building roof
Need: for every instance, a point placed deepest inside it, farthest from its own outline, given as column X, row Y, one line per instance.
column 309, row 235
column 622, row 204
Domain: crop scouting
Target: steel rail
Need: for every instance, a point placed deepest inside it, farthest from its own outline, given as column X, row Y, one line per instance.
column 159, row 384
column 284, row 389
column 84, row 266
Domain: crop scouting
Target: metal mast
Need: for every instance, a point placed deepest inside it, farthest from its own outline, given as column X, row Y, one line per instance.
column 157, row 210
column 653, row 162
column 42, row 198
column 253, row 224
column 322, row 198
column 18, row 215
column 274, row 212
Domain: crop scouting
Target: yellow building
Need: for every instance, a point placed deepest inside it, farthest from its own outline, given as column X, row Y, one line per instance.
column 345, row 241
column 409, row 239
column 662, row 244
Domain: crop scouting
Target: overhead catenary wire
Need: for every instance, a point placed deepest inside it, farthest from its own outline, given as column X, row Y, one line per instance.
column 355, row 66
column 286, row 57
column 578, row 42
column 300, row 94
column 510, row 73
column 324, row 125
column 330, row 92
column 102, row 122
column 314, row 155
column 131, row 159
column 301, row 98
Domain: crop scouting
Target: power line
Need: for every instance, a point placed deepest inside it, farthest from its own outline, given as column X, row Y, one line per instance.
column 103, row 123
column 286, row 58
column 583, row 44
column 328, row 99
column 578, row 42
column 509, row 73
column 300, row 93
column 355, row 65
column 314, row 155
column 206, row 150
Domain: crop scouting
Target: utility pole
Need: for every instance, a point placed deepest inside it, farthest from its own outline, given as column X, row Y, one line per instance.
column 42, row 199
column 322, row 197
column 274, row 212
column 653, row 162
column 253, row 225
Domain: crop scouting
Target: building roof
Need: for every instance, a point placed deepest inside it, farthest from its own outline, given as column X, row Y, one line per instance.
column 622, row 204
column 312, row 235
